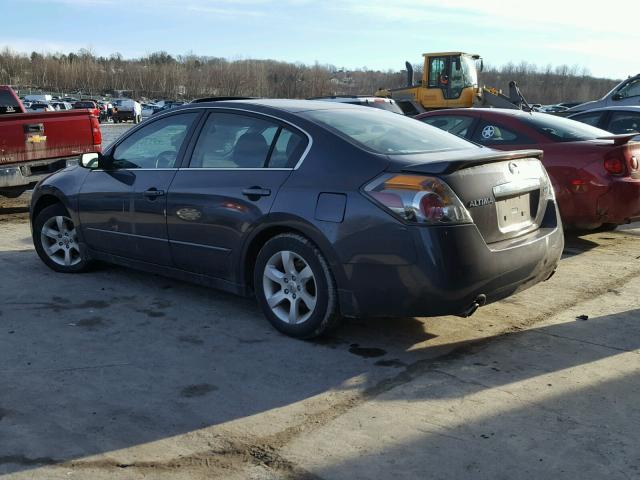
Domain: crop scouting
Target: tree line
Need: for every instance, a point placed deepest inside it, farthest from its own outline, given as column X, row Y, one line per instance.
column 160, row 75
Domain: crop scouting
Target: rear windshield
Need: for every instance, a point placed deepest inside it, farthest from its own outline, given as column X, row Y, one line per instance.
column 563, row 129
column 382, row 105
column 84, row 105
column 8, row 103
column 387, row 133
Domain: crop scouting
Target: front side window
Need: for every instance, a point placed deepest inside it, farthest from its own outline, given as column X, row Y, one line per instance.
column 230, row 140
column 156, row 145
column 624, row 122
column 631, row 89
column 458, row 125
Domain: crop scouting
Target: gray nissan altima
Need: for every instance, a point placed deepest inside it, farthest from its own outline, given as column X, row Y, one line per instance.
column 320, row 210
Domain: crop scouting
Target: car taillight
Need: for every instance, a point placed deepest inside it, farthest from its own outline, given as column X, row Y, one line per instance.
column 614, row 165
column 418, row 199
column 95, row 131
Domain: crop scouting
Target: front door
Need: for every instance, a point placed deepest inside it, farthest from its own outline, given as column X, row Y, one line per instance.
column 125, row 206
column 236, row 168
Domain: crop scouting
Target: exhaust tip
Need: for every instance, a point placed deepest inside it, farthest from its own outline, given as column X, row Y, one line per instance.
column 478, row 302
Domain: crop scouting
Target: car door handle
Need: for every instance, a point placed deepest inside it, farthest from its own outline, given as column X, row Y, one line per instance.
column 256, row 192
column 153, row 193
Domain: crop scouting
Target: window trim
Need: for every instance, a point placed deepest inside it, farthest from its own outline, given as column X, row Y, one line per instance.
column 195, row 132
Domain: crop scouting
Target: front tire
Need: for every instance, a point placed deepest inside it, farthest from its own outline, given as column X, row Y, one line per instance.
column 56, row 241
column 295, row 288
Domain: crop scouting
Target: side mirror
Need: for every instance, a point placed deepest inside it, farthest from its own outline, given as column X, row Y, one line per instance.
column 616, row 96
column 93, row 161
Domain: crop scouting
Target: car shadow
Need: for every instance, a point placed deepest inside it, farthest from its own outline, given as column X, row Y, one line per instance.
column 498, row 412
column 114, row 358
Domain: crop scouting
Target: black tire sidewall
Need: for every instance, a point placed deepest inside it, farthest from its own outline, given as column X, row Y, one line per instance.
column 48, row 212
column 325, row 288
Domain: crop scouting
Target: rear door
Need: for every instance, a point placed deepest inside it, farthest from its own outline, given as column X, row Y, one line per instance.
column 237, row 164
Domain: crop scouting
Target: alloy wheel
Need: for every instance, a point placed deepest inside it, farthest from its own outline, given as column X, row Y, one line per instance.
column 60, row 241
column 290, row 287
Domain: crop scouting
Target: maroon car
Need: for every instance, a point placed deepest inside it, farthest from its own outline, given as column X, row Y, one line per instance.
column 595, row 173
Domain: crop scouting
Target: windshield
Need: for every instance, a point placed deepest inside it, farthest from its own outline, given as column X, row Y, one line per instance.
column 563, row 129
column 385, row 132
column 469, row 71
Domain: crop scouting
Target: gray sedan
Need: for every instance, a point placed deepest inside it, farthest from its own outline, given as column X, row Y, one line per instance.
column 320, row 210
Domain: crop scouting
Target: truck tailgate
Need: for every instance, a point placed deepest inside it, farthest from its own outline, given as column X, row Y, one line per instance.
column 26, row 137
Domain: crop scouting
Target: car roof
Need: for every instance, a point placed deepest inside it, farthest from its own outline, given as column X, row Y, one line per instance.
column 287, row 105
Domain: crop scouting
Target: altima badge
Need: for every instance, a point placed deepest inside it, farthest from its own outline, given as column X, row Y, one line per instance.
column 481, row 202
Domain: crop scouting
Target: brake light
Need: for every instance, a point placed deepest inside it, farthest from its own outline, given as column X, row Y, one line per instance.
column 95, row 131
column 614, row 165
column 418, row 199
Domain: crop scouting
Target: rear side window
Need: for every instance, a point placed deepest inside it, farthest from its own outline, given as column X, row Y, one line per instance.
column 491, row 133
column 229, row 140
column 624, row 122
column 589, row 118
column 458, row 125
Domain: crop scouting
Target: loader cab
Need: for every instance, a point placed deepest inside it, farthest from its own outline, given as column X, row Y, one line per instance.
column 449, row 79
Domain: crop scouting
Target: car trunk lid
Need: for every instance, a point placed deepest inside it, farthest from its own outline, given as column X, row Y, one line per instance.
column 504, row 192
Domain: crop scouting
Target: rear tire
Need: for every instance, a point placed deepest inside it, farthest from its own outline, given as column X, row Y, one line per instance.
column 295, row 288
column 56, row 241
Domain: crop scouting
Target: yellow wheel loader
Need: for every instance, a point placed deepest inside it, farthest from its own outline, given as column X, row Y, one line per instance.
column 450, row 80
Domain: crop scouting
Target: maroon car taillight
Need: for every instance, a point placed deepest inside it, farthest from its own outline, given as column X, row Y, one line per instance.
column 615, row 165
column 418, row 199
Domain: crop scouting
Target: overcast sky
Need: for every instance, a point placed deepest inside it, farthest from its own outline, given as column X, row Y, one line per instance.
column 377, row 34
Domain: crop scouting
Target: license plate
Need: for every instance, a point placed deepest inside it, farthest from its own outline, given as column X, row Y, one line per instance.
column 514, row 213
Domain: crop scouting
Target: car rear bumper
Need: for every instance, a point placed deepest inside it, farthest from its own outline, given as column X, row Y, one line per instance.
column 621, row 203
column 455, row 267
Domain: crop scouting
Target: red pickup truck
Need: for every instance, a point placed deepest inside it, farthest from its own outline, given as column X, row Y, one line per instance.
column 34, row 145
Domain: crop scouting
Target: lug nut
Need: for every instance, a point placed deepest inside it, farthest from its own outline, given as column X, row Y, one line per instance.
column 286, row 292
column 294, row 295
column 293, row 277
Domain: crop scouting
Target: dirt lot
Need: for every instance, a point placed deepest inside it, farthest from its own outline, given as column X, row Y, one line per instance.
column 116, row 374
